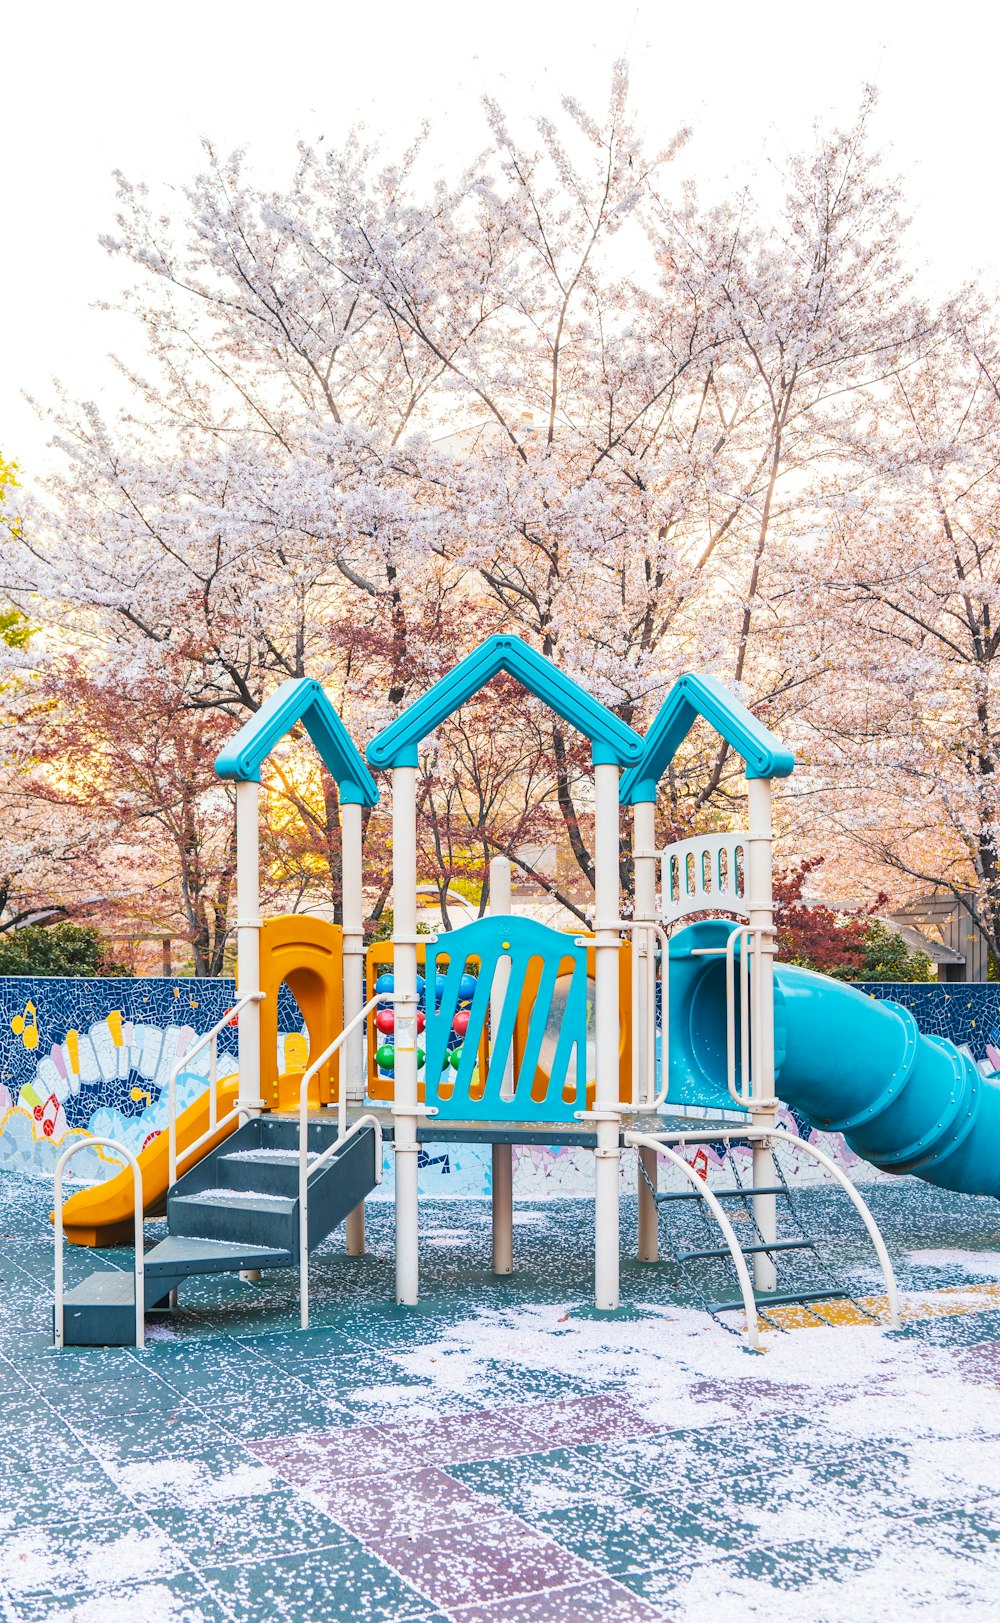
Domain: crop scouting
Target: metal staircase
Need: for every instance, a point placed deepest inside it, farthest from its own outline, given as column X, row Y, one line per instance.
column 237, row 1209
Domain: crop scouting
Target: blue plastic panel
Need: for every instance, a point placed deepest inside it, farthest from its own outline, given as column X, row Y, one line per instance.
column 460, row 1093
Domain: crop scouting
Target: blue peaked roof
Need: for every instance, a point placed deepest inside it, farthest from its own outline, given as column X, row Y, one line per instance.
column 299, row 700
column 613, row 742
column 689, row 698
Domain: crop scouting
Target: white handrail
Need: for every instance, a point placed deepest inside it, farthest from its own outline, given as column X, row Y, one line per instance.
column 342, row 1134
column 739, row 1092
column 861, row 1207
column 655, row 1097
column 647, row 1141
column 742, row 1092
column 185, row 1059
column 140, row 1303
column 305, row 1172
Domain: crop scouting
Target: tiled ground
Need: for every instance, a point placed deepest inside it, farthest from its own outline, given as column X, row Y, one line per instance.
column 502, row 1454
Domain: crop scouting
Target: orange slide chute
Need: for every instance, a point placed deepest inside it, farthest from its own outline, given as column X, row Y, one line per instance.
column 103, row 1214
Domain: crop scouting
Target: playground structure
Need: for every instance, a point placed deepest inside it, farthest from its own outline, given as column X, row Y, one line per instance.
column 505, row 1031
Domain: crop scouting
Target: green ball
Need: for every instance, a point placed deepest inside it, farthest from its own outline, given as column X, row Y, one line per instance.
column 385, row 1058
column 455, row 1058
column 421, row 1056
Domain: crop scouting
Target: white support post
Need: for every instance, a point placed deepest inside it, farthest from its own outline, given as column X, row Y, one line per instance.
column 248, row 954
column 405, row 1115
column 760, row 908
column 607, row 1103
column 644, row 984
column 352, row 1066
column 503, row 1154
column 248, row 943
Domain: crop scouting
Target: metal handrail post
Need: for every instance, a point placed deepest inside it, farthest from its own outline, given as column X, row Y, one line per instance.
column 139, row 1270
column 342, row 1134
column 185, row 1059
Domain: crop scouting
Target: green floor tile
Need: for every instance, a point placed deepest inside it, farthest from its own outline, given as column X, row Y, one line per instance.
column 344, row 1581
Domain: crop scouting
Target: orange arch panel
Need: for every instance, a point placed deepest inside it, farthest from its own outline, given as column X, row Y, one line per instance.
column 306, row 955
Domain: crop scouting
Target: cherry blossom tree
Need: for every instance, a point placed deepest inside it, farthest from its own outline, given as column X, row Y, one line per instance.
column 383, row 415
column 907, row 742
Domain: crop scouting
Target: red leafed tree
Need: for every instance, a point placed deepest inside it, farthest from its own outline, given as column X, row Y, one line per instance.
column 813, row 934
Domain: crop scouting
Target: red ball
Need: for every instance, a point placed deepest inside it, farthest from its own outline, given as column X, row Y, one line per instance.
column 421, row 1020
column 460, row 1024
column 385, row 1020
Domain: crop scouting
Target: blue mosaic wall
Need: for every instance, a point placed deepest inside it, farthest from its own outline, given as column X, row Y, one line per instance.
column 967, row 1014
column 94, row 1056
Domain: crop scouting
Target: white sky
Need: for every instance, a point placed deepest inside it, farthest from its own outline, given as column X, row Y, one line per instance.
column 87, row 89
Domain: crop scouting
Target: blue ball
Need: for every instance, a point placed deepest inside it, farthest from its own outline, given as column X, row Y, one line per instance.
column 385, row 983
column 420, row 986
column 466, row 988
column 439, row 986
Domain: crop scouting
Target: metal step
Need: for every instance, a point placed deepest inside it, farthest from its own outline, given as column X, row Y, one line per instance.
column 747, row 1250
column 239, row 1216
column 260, row 1172
column 181, row 1254
column 100, row 1310
column 783, row 1299
column 723, row 1194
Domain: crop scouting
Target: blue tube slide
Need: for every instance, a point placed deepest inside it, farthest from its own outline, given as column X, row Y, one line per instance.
column 848, row 1063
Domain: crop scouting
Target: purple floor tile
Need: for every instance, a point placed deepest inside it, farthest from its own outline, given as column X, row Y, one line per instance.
column 315, row 1458
column 602, row 1601
column 980, row 1363
column 493, row 1560
column 383, row 1507
column 569, row 1422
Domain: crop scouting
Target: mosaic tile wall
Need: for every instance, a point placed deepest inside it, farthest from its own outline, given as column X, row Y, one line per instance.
column 92, row 1057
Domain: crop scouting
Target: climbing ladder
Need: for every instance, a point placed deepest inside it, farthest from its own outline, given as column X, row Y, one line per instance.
column 754, row 1304
column 237, row 1210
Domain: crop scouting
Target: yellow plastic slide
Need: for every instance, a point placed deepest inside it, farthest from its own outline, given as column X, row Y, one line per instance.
column 104, row 1214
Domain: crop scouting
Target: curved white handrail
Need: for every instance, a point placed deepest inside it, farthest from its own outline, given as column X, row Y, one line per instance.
column 140, row 1304
column 343, row 1133
column 647, row 1141
column 185, row 1059
column 861, row 1207
column 742, row 1091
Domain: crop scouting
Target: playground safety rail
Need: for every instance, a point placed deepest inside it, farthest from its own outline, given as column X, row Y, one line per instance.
column 655, row 1097
column 772, row 1136
column 139, row 1272
column 344, row 1133
column 647, row 1141
column 741, row 1089
column 213, row 1085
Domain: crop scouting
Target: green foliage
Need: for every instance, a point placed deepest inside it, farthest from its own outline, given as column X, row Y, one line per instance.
column 57, row 949
column 888, row 958
column 14, row 628
column 381, row 929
